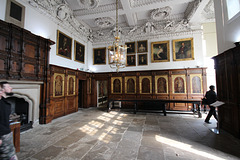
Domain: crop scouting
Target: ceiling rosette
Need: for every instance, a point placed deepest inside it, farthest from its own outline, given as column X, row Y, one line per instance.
column 104, row 22
column 160, row 13
column 88, row 4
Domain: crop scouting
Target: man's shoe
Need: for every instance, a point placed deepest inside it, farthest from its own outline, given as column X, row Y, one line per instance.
column 207, row 122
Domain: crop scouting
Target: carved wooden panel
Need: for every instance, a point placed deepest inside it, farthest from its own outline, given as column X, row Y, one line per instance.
column 130, row 85
column 179, row 84
column 116, row 85
column 161, row 84
column 58, row 85
column 196, row 83
column 71, row 85
column 71, row 105
column 145, row 84
column 58, row 108
column 228, row 87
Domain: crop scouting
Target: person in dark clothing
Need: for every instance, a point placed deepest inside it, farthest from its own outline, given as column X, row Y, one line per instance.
column 211, row 97
column 7, row 149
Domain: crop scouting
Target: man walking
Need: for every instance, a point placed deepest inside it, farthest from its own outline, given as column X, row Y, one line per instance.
column 7, row 149
column 211, row 97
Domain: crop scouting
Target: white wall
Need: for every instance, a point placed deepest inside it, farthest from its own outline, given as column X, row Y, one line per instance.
column 3, row 4
column 228, row 31
column 210, row 50
column 198, row 56
column 43, row 25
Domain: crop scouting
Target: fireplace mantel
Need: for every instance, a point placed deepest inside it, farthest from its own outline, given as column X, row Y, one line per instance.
column 30, row 91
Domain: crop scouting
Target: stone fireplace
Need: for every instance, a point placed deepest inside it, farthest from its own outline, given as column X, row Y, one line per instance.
column 28, row 94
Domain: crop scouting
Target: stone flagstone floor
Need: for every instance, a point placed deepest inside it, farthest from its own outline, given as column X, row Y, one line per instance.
column 94, row 134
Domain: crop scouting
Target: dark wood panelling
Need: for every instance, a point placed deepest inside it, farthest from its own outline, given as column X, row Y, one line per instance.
column 24, row 56
column 153, row 74
column 228, row 86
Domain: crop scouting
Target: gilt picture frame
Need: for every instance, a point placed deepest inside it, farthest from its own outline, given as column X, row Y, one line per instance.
column 64, row 45
column 183, row 49
column 160, row 51
column 131, row 47
column 142, row 59
column 131, row 60
column 58, row 85
column 99, row 56
column 142, row 46
column 71, row 82
column 79, row 50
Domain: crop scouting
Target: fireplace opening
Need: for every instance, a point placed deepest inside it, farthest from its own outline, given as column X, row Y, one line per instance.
column 20, row 112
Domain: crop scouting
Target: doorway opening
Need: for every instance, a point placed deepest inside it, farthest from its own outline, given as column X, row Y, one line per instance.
column 102, row 96
column 80, row 94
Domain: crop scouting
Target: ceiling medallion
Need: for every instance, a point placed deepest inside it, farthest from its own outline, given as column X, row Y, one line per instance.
column 160, row 13
column 88, row 4
column 104, row 22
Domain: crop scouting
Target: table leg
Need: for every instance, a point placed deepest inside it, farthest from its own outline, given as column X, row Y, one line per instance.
column 164, row 109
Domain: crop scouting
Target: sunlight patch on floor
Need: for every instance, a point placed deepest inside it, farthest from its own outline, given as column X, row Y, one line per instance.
column 186, row 147
column 88, row 130
column 96, row 124
column 106, row 119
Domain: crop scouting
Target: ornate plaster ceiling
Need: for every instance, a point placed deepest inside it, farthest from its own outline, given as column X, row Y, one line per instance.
column 95, row 19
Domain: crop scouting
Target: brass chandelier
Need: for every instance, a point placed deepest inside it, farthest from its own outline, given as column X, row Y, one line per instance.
column 117, row 52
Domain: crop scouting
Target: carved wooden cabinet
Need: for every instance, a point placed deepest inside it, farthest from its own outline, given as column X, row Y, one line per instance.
column 228, row 89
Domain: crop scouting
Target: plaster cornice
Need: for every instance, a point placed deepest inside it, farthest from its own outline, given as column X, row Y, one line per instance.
column 59, row 12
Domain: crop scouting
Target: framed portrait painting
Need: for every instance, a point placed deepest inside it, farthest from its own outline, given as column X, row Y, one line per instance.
column 130, row 47
column 142, row 46
column 160, row 51
column 183, row 49
column 64, row 45
column 99, row 56
column 142, row 59
column 79, row 52
column 131, row 60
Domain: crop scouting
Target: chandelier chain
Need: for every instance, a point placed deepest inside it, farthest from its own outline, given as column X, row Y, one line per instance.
column 117, row 17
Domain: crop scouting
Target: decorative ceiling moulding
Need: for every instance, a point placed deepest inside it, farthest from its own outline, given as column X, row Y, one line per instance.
column 191, row 9
column 105, row 22
column 209, row 12
column 61, row 14
column 150, row 37
column 150, row 30
column 160, row 13
column 140, row 3
column 88, row 4
column 99, row 9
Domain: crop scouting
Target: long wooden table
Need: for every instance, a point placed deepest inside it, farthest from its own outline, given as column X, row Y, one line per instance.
column 160, row 103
